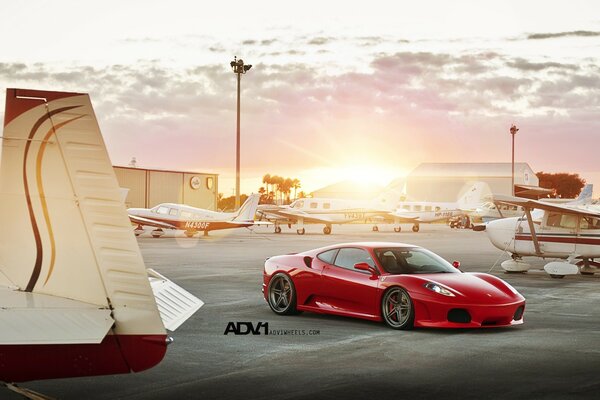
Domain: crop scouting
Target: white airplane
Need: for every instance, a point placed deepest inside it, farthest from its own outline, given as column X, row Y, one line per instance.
column 569, row 232
column 327, row 211
column 75, row 296
column 190, row 219
column 490, row 211
column 417, row 212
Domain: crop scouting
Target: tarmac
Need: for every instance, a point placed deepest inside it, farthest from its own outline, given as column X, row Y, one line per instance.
column 555, row 354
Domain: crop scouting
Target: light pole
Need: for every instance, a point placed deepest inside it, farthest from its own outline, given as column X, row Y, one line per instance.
column 238, row 68
column 513, row 132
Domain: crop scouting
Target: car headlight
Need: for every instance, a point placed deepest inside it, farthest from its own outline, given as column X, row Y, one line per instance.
column 434, row 287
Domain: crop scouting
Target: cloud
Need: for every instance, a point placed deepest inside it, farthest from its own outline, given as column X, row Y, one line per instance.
column 525, row 65
column 404, row 100
column 538, row 36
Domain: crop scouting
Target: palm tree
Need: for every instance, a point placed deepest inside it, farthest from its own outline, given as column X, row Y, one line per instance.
column 287, row 188
column 267, row 180
column 296, row 185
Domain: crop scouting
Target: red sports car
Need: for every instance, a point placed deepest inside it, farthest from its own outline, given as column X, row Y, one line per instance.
column 402, row 284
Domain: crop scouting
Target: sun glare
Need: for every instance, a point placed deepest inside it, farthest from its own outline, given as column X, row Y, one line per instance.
column 363, row 177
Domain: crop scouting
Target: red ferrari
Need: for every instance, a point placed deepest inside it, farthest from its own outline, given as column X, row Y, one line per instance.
column 401, row 284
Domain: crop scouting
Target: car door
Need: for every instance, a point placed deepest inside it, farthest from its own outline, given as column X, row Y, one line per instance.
column 347, row 289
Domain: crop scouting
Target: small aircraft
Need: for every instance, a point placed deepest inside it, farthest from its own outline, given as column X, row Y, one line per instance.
column 190, row 219
column 426, row 212
column 327, row 211
column 75, row 296
column 490, row 211
column 566, row 231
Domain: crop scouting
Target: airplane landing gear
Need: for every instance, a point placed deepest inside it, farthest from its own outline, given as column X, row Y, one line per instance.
column 138, row 230
column 415, row 228
column 588, row 267
column 397, row 229
column 300, row 231
column 375, row 228
column 157, row 233
column 277, row 229
column 190, row 234
column 327, row 230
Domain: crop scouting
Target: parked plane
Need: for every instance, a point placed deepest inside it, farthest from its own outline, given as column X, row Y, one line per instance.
column 490, row 211
column 570, row 232
column 417, row 212
column 75, row 296
column 327, row 211
column 190, row 219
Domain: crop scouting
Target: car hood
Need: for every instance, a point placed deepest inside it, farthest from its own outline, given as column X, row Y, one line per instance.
column 480, row 288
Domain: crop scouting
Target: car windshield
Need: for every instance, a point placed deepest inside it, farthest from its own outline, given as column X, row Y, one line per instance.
column 402, row 260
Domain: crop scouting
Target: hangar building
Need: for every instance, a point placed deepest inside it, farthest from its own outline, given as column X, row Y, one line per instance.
column 446, row 181
column 149, row 187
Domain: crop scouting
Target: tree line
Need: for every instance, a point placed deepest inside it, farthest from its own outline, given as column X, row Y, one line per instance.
column 278, row 189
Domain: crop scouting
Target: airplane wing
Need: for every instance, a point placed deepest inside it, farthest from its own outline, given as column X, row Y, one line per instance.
column 150, row 222
column 531, row 204
column 289, row 215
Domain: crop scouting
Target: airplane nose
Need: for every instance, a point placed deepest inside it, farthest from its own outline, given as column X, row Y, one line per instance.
column 501, row 233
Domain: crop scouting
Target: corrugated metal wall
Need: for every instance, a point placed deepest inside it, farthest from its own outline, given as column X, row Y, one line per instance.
column 148, row 188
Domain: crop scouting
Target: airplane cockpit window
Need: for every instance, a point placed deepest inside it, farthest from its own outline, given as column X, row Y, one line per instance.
column 558, row 220
column 298, row 204
column 406, row 207
column 590, row 223
column 437, row 209
column 326, row 206
column 314, row 205
column 162, row 210
column 173, row 212
column 347, row 257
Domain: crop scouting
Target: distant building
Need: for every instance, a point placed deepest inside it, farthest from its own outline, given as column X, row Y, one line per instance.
column 149, row 187
column 348, row 190
column 446, row 181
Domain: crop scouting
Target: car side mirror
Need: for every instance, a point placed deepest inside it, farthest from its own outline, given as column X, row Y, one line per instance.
column 456, row 264
column 365, row 267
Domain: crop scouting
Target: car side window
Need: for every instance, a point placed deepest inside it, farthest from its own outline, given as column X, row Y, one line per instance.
column 327, row 256
column 349, row 256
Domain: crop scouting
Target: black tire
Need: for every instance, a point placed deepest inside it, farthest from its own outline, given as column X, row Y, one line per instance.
column 375, row 229
column 300, row 231
column 586, row 273
column 556, row 276
column 394, row 318
column 415, row 228
column 277, row 229
column 327, row 230
column 398, row 229
column 287, row 306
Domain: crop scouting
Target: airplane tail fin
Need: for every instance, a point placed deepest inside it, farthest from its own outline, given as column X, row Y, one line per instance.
column 474, row 196
column 65, row 229
column 586, row 194
column 389, row 198
column 248, row 209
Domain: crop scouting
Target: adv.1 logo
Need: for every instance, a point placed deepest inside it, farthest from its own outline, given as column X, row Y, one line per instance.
column 246, row 328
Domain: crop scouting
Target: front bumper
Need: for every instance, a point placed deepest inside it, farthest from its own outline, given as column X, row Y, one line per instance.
column 434, row 314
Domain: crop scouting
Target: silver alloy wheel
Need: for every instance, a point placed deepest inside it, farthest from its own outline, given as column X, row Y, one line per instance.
column 280, row 294
column 397, row 308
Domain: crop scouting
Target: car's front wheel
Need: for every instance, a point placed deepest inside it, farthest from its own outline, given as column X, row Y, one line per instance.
column 282, row 295
column 397, row 308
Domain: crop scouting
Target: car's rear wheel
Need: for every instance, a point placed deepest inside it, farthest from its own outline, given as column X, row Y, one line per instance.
column 397, row 308
column 282, row 295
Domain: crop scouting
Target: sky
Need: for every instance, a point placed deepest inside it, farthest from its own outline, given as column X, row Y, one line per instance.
column 338, row 89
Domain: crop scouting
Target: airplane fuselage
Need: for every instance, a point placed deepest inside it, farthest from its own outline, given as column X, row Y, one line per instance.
column 515, row 236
